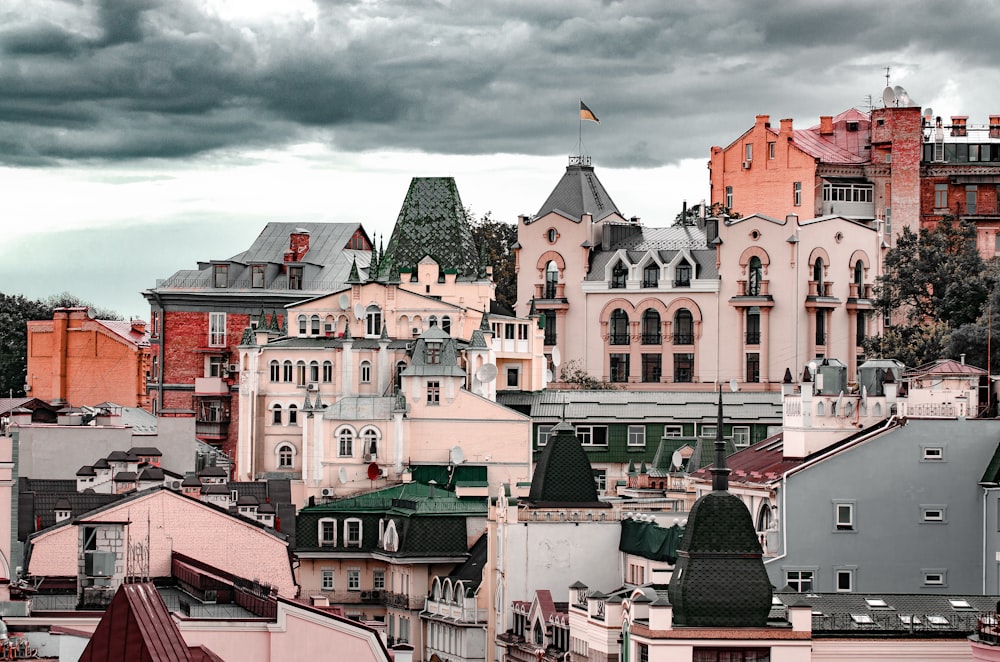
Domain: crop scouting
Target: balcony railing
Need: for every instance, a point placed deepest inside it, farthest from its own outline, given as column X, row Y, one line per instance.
column 652, row 339
column 402, row 601
column 682, row 282
column 650, row 283
column 683, row 338
column 619, row 339
column 753, row 337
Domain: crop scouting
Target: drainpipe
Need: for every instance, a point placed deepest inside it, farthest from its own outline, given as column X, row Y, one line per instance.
column 162, row 331
column 986, row 503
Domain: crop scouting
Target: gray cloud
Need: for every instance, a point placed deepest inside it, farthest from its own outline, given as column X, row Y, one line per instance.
column 121, row 79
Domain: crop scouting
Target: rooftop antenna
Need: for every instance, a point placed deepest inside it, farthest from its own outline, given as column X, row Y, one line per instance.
column 887, row 76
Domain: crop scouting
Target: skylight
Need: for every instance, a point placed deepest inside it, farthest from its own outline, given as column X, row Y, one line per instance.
column 876, row 603
column 909, row 620
column 862, row 619
column 938, row 620
column 960, row 604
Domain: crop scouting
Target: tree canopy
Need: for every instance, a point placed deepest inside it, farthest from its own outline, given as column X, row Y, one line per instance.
column 694, row 212
column 495, row 240
column 937, row 283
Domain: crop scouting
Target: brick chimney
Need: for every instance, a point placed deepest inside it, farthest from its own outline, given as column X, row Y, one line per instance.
column 826, row 125
column 138, row 325
column 958, row 125
column 786, row 128
column 298, row 245
column 763, row 120
column 994, row 126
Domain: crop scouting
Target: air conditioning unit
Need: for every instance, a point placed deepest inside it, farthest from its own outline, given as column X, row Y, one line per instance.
column 234, row 367
column 312, row 387
column 327, row 491
column 366, row 595
column 369, row 457
column 746, row 165
column 415, row 331
column 175, row 485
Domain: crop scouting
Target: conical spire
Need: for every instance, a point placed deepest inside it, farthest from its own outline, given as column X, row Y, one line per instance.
column 354, row 278
column 274, row 328
column 248, row 340
column 262, row 319
column 719, row 470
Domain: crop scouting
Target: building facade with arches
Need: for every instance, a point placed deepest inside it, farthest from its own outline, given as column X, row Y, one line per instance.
column 687, row 306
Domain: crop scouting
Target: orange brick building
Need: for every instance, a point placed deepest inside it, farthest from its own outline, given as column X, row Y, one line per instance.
column 891, row 167
column 74, row 359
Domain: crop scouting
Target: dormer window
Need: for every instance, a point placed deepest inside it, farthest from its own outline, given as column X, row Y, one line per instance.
column 682, row 275
column 295, row 278
column 220, row 275
column 257, row 275
column 651, row 275
column 618, row 275
column 373, row 321
column 433, row 353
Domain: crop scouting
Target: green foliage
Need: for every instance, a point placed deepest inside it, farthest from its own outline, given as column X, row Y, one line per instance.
column 694, row 213
column 67, row 300
column 939, row 284
column 495, row 240
column 15, row 312
column 573, row 373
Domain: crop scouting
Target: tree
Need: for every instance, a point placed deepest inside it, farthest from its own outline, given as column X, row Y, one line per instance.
column 693, row 213
column 67, row 300
column 495, row 240
column 937, row 283
column 15, row 312
column 573, row 373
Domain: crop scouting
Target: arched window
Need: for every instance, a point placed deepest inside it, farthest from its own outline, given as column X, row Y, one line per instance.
column 275, row 371
column 276, row 415
column 683, row 327
column 300, row 373
column 314, row 320
column 755, row 274
column 651, row 327
column 446, row 324
column 859, row 278
column 619, row 327
column 314, row 371
column 329, row 325
column 293, row 415
column 366, row 372
column 764, row 517
column 286, row 371
column 370, row 439
column 818, row 275
column 551, row 279
column 618, row 275
column 432, row 322
column 286, row 456
column 345, row 443
column 303, row 325
column 373, row 321
column 327, row 371
column 400, row 367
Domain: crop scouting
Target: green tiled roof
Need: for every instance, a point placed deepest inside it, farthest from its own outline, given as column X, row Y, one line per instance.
column 563, row 474
column 432, row 221
column 649, row 540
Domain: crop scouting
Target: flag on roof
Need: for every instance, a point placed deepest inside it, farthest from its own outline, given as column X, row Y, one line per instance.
column 587, row 113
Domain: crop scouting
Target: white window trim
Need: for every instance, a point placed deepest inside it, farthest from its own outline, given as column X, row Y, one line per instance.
column 547, row 431
column 932, row 454
column 322, row 579
column 336, row 438
column 738, row 429
column 851, row 523
column 355, row 575
column 277, row 454
column 590, row 434
column 347, row 527
column 849, row 572
column 933, row 514
column 641, row 430
column 934, row 576
column 216, row 338
column 319, row 532
column 668, row 429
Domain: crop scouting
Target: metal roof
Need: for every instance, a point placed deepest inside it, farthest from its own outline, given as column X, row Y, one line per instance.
column 579, row 192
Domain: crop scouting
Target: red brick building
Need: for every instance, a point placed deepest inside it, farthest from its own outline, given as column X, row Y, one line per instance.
column 893, row 167
column 74, row 359
column 198, row 316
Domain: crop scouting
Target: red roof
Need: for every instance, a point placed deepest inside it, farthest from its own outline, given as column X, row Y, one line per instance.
column 137, row 628
column 761, row 463
column 125, row 330
column 842, row 146
column 944, row 367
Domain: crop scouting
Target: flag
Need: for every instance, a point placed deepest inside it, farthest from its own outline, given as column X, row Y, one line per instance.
column 587, row 113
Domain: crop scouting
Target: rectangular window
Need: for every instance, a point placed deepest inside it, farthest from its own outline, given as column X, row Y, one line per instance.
column 433, row 353
column 682, row 275
column 257, row 272
column 619, row 367
column 652, row 367
column 845, row 581
column 935, row 577
column 543, row 434
column 741, row 436
column 295, row 278
column 933, row 453
column 637, row 435
column 328, row 532
column 378, row 580
column 940, row 196
column 592, row 435
column 933, row 514
column 799, row 580
column 748, row 151
column 327, row 372
column 220, row 275
column 708, row 431
column 971, row 195
column 844, row 516
column 352, row 532
column 354, row 579
column 216, row 329
column 216, row 366
column 549, row 320
column 601, row 479
column 753, row 367
column 513, row 377
column 327, row 580
column 770, row 150
column 797, row 194
column 434, row 393
column 729, row 197
column 673, row 431
column 683, row 367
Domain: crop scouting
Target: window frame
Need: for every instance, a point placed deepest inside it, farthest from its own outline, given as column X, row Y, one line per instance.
column 353, row 536
column 220, row 274
column 216, row 329
column 345, row 442
column 326, row 574
column 587, row 433
column 543, row 432
column 354, row 579
column 276, row 414
column 295, row 279
column 258, row 275
column 840, row 573
column 801, row 583
column 636, row 432
column 365, row 372
column 841, row 524
column 737, row 431
column 286, row 455
column 433, row 393
column 797, row 194
column 321, row 530
column 933, row 514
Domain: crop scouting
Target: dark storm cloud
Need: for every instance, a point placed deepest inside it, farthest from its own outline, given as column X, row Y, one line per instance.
column 125, row 78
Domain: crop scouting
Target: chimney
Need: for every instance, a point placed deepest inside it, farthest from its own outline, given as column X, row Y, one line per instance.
column 763, row 120
column 994, row 126
column 826, row 125
column 138, row 325
column 786, row 128
column 958, row 125
column 298, row 245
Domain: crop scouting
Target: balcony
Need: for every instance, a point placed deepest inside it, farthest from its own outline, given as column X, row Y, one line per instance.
column 753, row 337
column 402, row 601
column 683, row 338
column 619, row 339
column 211, row 386
column 652, row 339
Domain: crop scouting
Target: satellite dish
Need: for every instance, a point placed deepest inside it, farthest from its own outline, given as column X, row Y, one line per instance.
column 734, row 385
column 556, row 357
column 345, row 301
column 928, row 114
column 456, row 456
column 342, row 475
column 91, row 313
column 902, row 98
column 888, row 97
column 676, row 460
column 486, row 373
column 840, row 404
column 864, row 395
column 373, row 471
column 359, row 311
column 549, row 376
column 812, row 367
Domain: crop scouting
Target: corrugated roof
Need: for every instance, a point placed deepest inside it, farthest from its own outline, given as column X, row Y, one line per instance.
column 136, row 628
column 125, row 331
column 842, row 146
column 944, row 368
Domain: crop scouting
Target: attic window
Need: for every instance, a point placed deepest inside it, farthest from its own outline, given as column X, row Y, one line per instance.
column 852, row 126
column 876, row 603
column 221, row 275
column 433, row 353
column 960, row 605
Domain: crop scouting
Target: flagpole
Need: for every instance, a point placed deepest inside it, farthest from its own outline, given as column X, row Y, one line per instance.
column 579, row 140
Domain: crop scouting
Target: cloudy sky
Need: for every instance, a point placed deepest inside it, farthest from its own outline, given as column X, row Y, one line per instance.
column 140, row 136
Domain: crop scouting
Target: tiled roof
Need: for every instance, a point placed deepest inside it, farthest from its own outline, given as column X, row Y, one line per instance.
column 840, row 147
column 920, row 613
column 579, row 192
column 944, row 367
column 471, row 570
column 563, row 474
column 763, row 462
column 432, row 222
column 126, row 331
